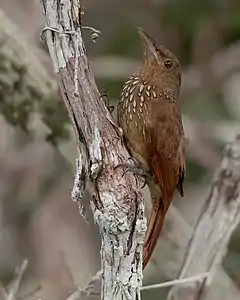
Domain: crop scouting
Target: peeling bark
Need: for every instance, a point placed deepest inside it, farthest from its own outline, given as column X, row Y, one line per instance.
column 117, row 202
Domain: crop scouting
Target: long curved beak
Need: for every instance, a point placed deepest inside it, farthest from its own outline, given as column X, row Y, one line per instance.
column 149, row 43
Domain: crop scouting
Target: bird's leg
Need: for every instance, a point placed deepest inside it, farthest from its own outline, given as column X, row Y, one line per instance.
column 137, row 168
column 105, row 98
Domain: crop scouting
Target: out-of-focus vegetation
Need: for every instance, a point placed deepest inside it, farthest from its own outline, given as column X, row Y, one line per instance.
column 37, row 217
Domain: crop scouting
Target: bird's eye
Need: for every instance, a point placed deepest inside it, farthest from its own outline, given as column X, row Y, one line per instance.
column 168, row 63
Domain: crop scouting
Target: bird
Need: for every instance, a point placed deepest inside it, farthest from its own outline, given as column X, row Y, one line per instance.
column 149, row 115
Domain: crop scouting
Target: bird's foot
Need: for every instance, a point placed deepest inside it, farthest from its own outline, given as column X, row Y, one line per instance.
column 137, row 168
column 105, row 98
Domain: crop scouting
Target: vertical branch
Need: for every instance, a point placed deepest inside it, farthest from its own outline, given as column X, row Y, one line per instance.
column 219, row 218
column 117, row 202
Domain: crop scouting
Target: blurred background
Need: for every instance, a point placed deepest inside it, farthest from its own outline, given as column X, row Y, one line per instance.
column 38, row 219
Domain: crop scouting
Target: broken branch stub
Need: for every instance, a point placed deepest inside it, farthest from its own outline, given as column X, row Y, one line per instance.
column 117, row 202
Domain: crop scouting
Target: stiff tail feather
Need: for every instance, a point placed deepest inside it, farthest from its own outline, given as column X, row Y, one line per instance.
column 153, row 230
column 161, row 194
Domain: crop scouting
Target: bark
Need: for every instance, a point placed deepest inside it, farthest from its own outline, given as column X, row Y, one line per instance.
column 14, row 52
column 117, row 202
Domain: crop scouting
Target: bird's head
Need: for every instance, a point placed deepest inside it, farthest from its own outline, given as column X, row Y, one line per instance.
column 159, row 64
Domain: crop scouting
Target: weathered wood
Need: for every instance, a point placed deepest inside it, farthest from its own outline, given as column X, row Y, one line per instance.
column 37, row 83
column 117, row 202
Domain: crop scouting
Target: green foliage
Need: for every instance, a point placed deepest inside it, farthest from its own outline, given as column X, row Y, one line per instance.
column 20, row 97
column 15, row 106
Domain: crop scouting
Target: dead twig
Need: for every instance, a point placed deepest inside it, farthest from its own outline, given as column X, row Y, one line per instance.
column 87, row 290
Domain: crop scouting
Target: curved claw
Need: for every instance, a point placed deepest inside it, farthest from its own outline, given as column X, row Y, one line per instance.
column 105, row 98
column 136, row 168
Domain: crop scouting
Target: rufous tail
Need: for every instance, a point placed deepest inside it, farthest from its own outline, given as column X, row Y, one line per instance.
column 154, row 228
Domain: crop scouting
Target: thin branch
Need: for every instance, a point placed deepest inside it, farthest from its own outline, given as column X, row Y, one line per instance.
column 88, row 289
column 175, row 282
column 16, row 283
column 117, row 202
column 219, row 218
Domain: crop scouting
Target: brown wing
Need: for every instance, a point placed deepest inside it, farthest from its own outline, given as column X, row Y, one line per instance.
column 168, row 163
column 168, row 160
